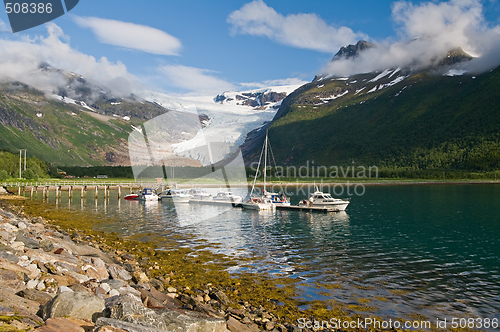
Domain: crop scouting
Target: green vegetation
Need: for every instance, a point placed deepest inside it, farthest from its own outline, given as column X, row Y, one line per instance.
column 428, row 126
column 59, row 133
column 122, row 172
column 9, row 167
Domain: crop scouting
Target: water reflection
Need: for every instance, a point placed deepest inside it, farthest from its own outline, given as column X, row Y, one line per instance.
column 437, row 261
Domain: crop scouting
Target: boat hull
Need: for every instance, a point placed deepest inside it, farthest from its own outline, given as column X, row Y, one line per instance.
column 148, row 198
column 132, row 197
column 227, row 201
column 176, row 199
column 341, row 206
column 258, row 206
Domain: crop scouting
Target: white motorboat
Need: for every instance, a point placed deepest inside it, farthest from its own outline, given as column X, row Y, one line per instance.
column 227, row 197
column 277, row 199
column 259, row 204
column 176, row 195
column 148, row 194
column 325, row 200
column 199, row 195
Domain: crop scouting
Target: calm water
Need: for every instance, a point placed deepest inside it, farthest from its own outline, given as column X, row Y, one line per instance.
column 432, row 250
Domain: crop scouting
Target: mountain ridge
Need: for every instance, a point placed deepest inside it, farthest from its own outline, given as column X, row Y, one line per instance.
column 379, row 118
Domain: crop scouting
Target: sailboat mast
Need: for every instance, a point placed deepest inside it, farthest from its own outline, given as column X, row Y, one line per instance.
column 265, row 164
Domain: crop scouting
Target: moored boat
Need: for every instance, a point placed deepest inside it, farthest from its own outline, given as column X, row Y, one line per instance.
column 176, row 195
column 227, row 197
column 259, row 204
column 148, row 194
column 278, row 199
column 199, row 195
column 131, row 197
column 325, row 200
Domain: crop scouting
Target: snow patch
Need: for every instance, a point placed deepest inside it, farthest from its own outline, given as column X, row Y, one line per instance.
column 118, row 103
column 397, row 94
column 381, row 75
column 333, row 97
column 374, row 89
column 73, row 102
column 394, row 82
column 137, row 128
column 39, row 115
column 358, row 91
column 455, row 72
column 320, row 86
column 394, row 72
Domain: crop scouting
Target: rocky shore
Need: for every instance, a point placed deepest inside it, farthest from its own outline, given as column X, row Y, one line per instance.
column 51, row 280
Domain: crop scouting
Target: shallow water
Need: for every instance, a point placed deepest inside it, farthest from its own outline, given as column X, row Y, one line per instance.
column 432, row 250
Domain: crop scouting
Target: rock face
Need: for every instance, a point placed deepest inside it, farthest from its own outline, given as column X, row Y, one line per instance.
column 351, row 51
column 166, row 319
column 74, row 304
column 258, row 99
column 61, row 324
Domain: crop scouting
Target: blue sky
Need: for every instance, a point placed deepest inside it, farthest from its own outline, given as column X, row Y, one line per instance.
column 203, row 46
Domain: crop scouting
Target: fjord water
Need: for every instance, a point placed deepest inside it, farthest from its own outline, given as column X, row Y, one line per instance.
column 432, row 250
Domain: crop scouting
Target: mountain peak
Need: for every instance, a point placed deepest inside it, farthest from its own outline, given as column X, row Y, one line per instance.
column 351, row 51
column 454, row 56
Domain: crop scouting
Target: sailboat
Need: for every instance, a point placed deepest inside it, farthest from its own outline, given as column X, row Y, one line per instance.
column 266, row 201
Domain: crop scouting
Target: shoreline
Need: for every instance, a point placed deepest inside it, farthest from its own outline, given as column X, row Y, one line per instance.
column 117, row 278
column 198, row 286
column 200, row 279
column 113, row 185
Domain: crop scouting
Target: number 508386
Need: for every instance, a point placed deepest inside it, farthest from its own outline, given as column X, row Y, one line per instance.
column 474, row 323
column 28, row 8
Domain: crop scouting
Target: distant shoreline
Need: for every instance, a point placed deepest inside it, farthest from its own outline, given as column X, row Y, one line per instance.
column 113, row 184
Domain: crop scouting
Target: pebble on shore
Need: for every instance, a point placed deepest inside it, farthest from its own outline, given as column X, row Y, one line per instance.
column 49, row 283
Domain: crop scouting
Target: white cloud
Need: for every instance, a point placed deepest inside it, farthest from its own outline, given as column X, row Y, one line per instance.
column 3, row 26
column 20, row 60
column 279, row 82
column 201, row 81
column 299, row 30
column 131, row 35
column 428, row 31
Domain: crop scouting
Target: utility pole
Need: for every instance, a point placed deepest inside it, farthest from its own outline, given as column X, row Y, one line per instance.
column 20, row 161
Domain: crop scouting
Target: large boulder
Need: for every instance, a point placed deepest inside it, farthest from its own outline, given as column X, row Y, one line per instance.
column 166, row 319
column 118, row 272
column 60, row 324
column 35, row 295
column 81, row 305
column 112, row 325
column 236, row 326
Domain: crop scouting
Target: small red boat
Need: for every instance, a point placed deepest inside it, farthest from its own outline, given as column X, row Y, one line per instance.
column 132, row 197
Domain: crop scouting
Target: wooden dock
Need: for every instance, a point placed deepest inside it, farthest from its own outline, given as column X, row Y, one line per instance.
column 307, row 208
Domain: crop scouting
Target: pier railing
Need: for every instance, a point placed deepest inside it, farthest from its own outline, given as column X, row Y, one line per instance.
column 45, row 187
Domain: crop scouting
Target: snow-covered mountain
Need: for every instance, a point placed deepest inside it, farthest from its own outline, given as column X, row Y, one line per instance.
column 226, row 118
column 259, row 99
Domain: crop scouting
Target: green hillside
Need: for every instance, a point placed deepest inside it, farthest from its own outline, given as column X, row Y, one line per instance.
column 67, row 134
column 426, row 121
